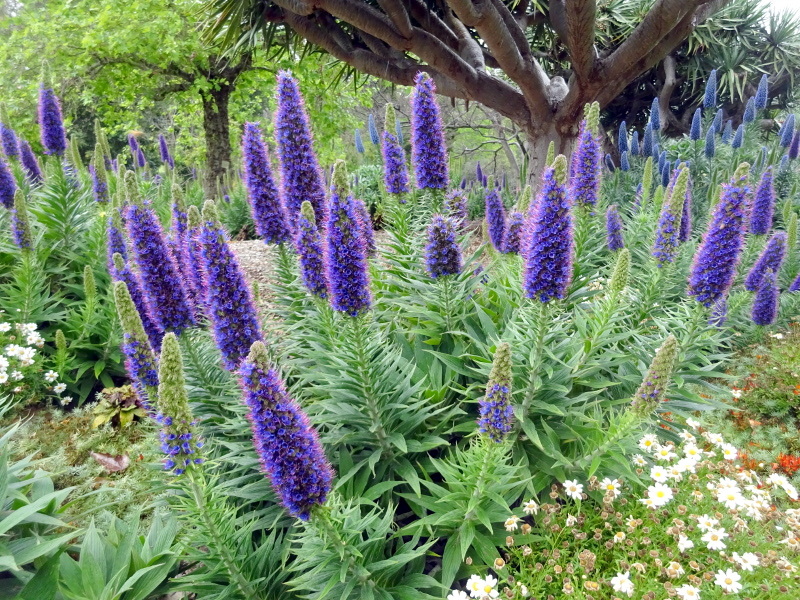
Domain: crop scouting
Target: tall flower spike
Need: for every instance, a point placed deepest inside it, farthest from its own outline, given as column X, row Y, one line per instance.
column 696, row 130
column 51, row 124
column 8, row 139
column 373, row 130
column 166, row 157
column 496, row 414
column 346, row 260
column 749, row 111
column 29, row 162
column 622, row 272
column 762, row 213
column 443, row 253
column 99, row 177
column 771, row 259
column 140, row 361
column 655, row 115
column 8, row 185
column 310, row 252
column 133, row 144
column 669, row 225
column 714, row 266
column 395, row 173
column 455, row 207
column 635, row 144
column 359, row 143
column 548, row 240
column 716, row 124
column 794, row 147
column 131, row 188
column 711, row 144
column 762, row 94
column 791, row 232
column 365, row 225
column 428, row 151
column 710, row 96
column 115, row 237
column 614, row 229
column 686, row 216
column 765, row 303
column 495, row 219
column 654, row 387
column 141, row 160
column 301, row 177
column 265, row 201
column 512, row 243
column 192, row 253
column 20, row 226
column 727, row 132
column 234, row 319
column 121, row 271
column 624, row 164
column 622, row 138
column 788, row 131
column 585, row 181
column 286, row 443
column 647, row 180
column 164, row 290
column 179, row 440
column 738, row 138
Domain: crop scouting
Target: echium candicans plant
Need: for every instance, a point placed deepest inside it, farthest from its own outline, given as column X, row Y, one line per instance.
column 710, row 148
column 373, row 130
column 346, row 259
column 749, row 112
column 443, row 252
column 179, row 439
column 714, row 266
column 140, row 360
column 655, row 115
column 161, row 280
column 287, row 445
column 786, row 132
column 455, row 207
column 761, row 215
column 762, row 93
column 359, row 143
column 710, row 95
column 686, row 216
column 635, row 144
column 20, row 226
column 233, row 315
column 8, row 185
column 770, row 259
column 738, row 138
column 97, row 168
column 8, row 139
column 115, row 236
column 428, row 151
column 669, row 223
column 647, row 140
column 163, row 148
column 794, row 147
column 727, row 132
column 310, row 253
column 765, row 303
column 549, row 238
column 51, row 123
column 395, row 172
column 614, row 239
column 584, row 184
column 365, row 223
column 620, row 276
column 121, row 271
column 795, row 287
column 495, row 219
column 265, row 200
column 512, row 243
column 496, row 413
column 696, row 130
column 29, row 162
column 194, row 272
column 653, row 389
column 622, row 138
column 301, row 178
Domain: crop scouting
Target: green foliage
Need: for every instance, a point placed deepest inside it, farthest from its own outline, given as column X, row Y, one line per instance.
column 117, row 406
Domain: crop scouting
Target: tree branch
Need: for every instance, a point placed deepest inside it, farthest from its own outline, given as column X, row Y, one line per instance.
column 580, row 17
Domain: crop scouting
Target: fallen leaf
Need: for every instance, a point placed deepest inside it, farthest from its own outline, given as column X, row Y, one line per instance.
column 110, row 463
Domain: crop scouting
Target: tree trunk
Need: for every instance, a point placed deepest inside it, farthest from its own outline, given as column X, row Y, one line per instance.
column 562, row 134
column 216, row 127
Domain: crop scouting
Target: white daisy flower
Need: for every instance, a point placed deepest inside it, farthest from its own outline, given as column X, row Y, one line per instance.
column 50, row 376
column 648, row 443
column 728, row 580
column 17, row 375
column 530, row 507
column 457, row 595
column 687, row 437
column 3, row 377
column 747, row 561
column 706, row 523
column 59, row 388
column 639, row 460
column 688, row 592
column 664, row 453
column 692, row 423
column 684, row 543
column 693, row 452
column 736, row 393
column 713, row 539
column 660, row 494
column 5, row 327
column 659, row 474
column 511, row 523
column 622, row 583
column 611, row 485
column 729, row 451
column 573, row 489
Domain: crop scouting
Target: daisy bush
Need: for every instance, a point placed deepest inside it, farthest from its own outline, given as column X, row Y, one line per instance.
column 24, row 365
column 694, row 523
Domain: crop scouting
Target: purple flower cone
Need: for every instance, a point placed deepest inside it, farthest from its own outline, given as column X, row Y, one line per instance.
column 770, row 260
column 395, row 173
column 265, row 200
column 51, row 124
column 765, row 304
column 495, row 219
column 614, row 239
column 29, row 162
column 8, row 185
column 763, row 204
column 443, row 253
column 308, row 244
column 512, row 243
column 428, row 150
column 585, row 169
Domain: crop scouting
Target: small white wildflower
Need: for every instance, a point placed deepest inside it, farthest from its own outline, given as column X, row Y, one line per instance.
column 659, row 474
column 622, row 583
column 736, row 393
column 17, row 375
column 684, row 543
column 713, row 539
column 3, row 377
column 50, row 376
column 639, row 460
column 729, row 451
column 59, row 388
column 511, row 523
column 5, row 327
column 457, row 595
column 747, row 561
column 611, row 485
column 530, row 507
column 688, row 592
column 728, row 580
column 660, row 494
column 573, row 489
column 65, row 400
column 706, row 523
column 692, row 423
column 648, row 443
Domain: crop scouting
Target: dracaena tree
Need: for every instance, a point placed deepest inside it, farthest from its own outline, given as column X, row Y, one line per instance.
column 479, row 50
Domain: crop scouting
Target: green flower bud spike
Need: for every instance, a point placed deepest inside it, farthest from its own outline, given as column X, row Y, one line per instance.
column 788, row 210
column 89, row 283
column 592, row 116
column 622, row 272
column 132, row 194
column 178, row 437
column 390, row 119
column 496, row 414
column 307, row 210
column 193, row 217
column 524, row 200
column 560, row 169
column 647, row 180
column 791, row 233
column 340, row 185
column 141, row 360
column 551, row 154
column 20, row 225
column 654, row 387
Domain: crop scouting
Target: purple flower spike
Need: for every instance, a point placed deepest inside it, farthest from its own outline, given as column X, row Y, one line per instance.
column 265, row 201
column 770, row 259
column 442, row 254
column 286, row 443
column 795, row 287
column 765, row 304
column 496, row 413
column 686, row 216
column 669, row 224
column 614, row 239
column 495, row 219
column 714, row 266
column 346, row 261
column 193, row 267
column 121, row 271
column 9, row 141
column 310, row 252
column 585, row 181
column 455, row 207
column 234, row 319
column 428, row 151
column 29, row 162
column 548, row 241
column 512, row 243
column 161, row 281
column 141, row 161
column 301, row 177
column 115, row 238
column 794, row 147
column 365, row 225
column 763, row 204
column 51, row 124
column 99, row 184
column 395, row 173
column 166, row 157
column 8, row 185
